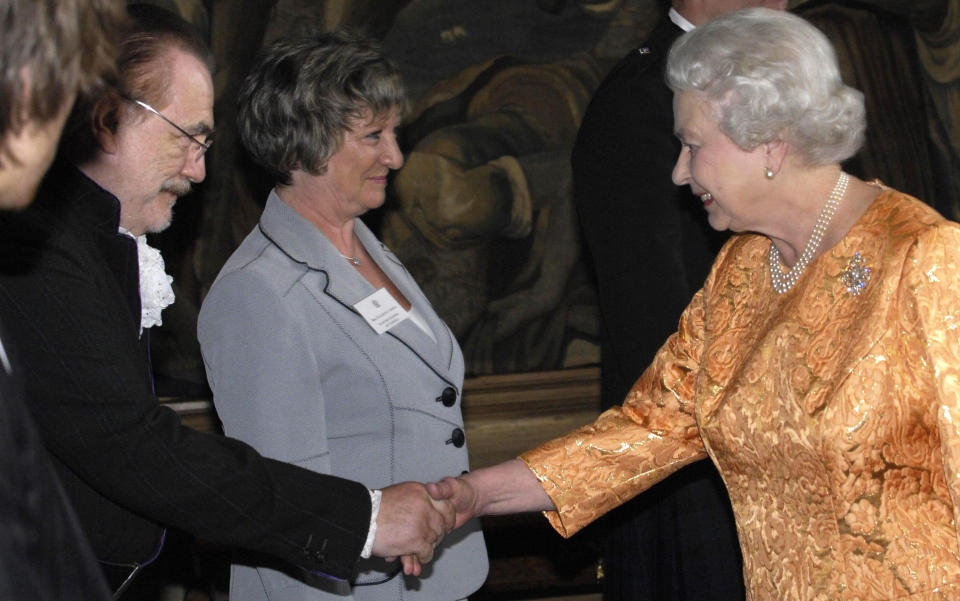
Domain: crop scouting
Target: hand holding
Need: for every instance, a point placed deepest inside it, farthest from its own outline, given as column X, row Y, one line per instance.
column 411, row 565
column 411, row 523
column 509, row 487
column 462, row 496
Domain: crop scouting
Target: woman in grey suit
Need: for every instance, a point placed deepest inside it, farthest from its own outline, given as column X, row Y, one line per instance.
column 320, row 348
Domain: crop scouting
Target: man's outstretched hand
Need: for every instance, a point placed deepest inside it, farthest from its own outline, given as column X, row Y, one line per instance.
column 509, row 487
column 410, row 524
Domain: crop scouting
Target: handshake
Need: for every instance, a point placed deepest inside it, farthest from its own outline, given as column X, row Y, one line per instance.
column 415, row 517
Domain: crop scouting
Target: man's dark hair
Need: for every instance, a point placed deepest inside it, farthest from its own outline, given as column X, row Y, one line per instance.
column 143, row 73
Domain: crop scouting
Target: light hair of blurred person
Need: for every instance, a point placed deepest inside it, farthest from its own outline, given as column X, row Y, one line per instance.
column 49, row 52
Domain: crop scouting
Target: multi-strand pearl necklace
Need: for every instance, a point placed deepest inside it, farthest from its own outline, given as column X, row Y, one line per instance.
column 782, row 282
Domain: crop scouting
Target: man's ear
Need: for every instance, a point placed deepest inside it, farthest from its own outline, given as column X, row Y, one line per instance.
column 106, row 139
column 104, row 125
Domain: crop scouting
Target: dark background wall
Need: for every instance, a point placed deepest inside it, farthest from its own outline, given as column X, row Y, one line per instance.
column 481, row 213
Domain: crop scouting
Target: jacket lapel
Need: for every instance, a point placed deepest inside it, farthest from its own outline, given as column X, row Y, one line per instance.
column 439, row 354
column 832, row 358
column 101, row 213
column 119, row 253
column 304, row 243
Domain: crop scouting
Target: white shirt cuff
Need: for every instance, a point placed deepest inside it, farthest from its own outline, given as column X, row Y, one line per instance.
column 372, row 532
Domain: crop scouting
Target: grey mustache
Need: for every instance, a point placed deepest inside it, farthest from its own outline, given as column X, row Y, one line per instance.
column 180, row 187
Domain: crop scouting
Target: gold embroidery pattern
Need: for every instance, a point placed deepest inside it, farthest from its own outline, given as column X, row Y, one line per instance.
column 833, row 417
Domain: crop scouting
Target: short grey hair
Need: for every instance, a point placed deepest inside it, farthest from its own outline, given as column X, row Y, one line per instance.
column 304, row 94
column 772, row 76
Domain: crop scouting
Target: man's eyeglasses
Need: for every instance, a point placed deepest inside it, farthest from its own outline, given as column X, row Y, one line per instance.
column 204, row 145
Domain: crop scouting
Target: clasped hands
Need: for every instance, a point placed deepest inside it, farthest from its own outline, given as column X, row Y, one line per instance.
column 414, row 518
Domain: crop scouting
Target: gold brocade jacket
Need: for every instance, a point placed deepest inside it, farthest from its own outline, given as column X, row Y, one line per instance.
column 833, row 417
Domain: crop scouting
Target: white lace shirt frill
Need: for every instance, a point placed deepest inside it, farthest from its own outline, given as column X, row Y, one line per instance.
column 156, row 294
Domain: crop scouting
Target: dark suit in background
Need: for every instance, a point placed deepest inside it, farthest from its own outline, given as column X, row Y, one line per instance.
column 69, row 295
column 44, row 555
column 651, row 249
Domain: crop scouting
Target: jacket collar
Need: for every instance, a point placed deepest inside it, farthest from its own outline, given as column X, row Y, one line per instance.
column 87, row 209
column 304, row 243
column 86, row 203
column 679, row 20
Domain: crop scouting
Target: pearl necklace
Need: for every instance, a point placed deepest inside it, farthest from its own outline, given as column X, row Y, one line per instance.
column 783, row 282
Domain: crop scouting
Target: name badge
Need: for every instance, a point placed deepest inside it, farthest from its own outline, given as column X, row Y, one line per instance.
column 381, row 311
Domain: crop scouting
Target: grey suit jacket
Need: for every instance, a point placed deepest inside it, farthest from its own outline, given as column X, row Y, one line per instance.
column 298, row 373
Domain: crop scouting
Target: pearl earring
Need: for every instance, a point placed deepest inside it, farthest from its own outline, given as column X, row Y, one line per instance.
column 768, row 173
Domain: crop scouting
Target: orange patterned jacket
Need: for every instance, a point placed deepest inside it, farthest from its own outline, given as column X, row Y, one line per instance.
column 834, row 418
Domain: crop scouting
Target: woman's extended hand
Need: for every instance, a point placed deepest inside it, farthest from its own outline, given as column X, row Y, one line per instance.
column 509, row 487
column 462, row 496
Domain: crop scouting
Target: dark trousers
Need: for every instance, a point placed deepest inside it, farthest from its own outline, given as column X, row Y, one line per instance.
column 675, row 542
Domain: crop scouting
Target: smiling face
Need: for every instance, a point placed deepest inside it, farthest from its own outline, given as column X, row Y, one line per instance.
column 151, row 163
column 356, row 176
column 728, row 179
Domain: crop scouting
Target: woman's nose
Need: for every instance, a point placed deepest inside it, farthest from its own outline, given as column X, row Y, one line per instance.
column 681, row 171
column 392, row 157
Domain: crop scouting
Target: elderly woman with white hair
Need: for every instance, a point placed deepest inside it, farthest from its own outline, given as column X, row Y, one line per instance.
column 819, row 366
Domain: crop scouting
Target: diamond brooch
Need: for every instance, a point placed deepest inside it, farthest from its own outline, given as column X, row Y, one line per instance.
column 856, row 276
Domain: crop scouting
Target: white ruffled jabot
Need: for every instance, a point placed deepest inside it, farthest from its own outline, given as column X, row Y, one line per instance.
column 156, row 294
